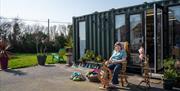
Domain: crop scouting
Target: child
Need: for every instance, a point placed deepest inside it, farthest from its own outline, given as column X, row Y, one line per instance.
column 141, row 53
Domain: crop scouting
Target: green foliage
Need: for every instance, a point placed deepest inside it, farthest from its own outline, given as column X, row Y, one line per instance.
column 23, row 37
column 62, row 52
column 178, row 74
column 170, row 74
column 83, row 59
column 169, row 63
column 16, row 32
column 69, row 38
column 69, row 42
column 4, row 27
column 60, row 41
column 41, row 40
column 169, row 69
column 99, row 58
column 91, row 56
column 88, row 56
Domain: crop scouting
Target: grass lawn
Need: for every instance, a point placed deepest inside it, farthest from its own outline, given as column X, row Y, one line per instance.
column 26, row 60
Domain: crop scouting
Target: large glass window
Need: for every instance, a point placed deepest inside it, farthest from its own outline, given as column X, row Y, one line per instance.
column 120, row 27
column 174, row 26
column 82, row 36
column 135, row 32
column 135, row 36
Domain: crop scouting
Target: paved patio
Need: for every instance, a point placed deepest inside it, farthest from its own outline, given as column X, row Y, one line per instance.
column 56, row 78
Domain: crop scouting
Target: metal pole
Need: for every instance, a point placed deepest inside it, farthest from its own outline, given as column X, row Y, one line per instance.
column 155, row 29
column 48, row 30
column 0, row 11
column 145, row 37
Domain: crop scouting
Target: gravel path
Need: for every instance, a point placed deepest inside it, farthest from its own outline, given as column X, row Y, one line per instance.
column 56, row 78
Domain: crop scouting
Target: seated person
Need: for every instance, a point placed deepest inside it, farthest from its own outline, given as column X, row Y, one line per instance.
column 118, row 56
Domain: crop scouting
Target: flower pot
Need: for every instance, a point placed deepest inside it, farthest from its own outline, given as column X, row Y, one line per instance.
column 69, row 56
column 69, row 59
column 168, row 84
column 177, row 84
column 41, row 59
column 4, row 63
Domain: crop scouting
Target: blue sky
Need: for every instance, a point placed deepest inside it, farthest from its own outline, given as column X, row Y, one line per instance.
column 59, row 10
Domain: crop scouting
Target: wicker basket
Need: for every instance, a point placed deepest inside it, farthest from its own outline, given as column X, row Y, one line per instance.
column 93, row 79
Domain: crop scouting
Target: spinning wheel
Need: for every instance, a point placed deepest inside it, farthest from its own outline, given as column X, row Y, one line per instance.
column 104, row 76
column 146, row 72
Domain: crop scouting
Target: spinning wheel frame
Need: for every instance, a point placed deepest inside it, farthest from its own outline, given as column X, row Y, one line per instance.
column 105, row 80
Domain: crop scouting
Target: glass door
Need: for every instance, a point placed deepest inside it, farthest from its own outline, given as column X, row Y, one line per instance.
column 154, row 37
column 158, row 37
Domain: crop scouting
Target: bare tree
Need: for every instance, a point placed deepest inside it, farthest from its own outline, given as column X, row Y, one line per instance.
column 5, row 28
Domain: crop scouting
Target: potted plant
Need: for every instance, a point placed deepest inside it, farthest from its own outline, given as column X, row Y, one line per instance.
column 83, row 60
column 90, row 55
column 42, row 55
column 99, row 58
column 177, row 84
column 69, row 46
column 169, row 73
column 4, row 54
column 87, row 58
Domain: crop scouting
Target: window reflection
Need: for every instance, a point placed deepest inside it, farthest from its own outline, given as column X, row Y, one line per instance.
column 135, row 32
column 174, row 26
column 120, row 27
column 82, row 36
column 135, row 38
column 159, row 40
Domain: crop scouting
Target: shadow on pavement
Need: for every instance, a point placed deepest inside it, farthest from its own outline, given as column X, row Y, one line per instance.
column 49, row 65
column 113, row 89
column 15, row 72
column 133, row 87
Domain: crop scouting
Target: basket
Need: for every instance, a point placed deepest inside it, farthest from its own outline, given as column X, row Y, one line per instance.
column 93, row 79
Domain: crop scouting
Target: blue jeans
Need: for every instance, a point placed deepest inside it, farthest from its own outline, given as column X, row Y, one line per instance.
column 116, row 69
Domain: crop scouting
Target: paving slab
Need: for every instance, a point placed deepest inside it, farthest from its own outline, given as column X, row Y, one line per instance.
column 56, row 77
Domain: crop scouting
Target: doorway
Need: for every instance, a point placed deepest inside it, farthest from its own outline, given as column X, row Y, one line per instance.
column 154, row 37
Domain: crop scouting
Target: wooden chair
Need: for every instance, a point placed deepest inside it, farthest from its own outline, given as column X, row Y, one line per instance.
column 123, row 75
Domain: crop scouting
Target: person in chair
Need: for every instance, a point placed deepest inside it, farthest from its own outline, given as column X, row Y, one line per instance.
column 118, row 56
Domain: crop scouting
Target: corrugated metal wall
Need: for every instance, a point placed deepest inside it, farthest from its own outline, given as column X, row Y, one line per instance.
column 100, row 28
